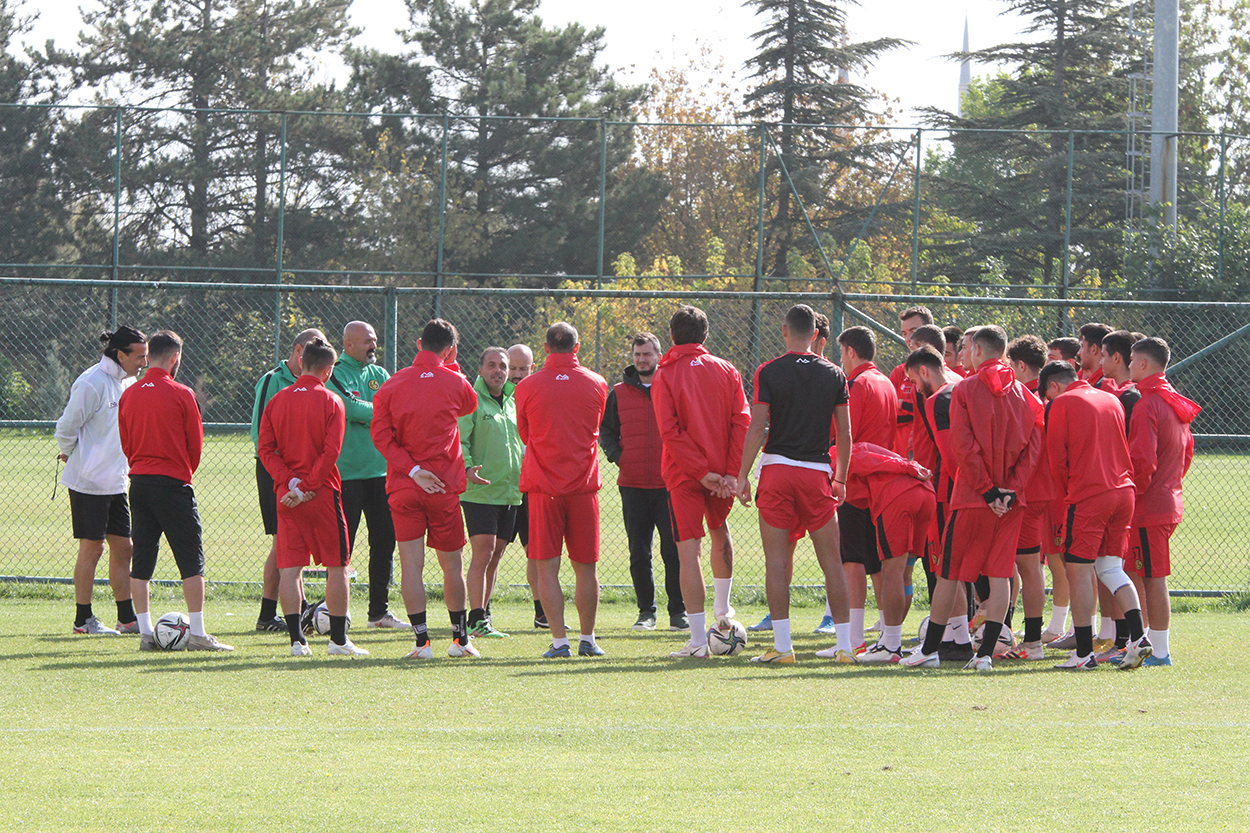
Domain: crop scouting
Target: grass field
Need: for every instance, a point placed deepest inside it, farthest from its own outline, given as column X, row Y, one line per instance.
column 98, row 736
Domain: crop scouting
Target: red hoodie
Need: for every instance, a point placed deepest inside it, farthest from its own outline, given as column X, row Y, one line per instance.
column 1086, row 441
column 874, row 406
column 703, row 414
column 558, row 411
column 996, row 434
column 301, row 435
column 1161, row 448
column 882, row 476
column 161, row 428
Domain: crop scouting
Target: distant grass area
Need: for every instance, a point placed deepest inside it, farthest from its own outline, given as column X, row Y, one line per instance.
column 1211, row 549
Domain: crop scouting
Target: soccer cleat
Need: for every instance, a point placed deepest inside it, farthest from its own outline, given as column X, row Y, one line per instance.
column 94, row 627
column 1075, row 663
column 1067, row 642
column 955, row 651
column 486, row 630
column 876, row 628
column 646, row 622
column 274, row 625
column 1026, row 650
column 1153, row 661
column 838, row 656
column 557, row 653
column 678, row 623
column 1049, row 636
column 774, row 657
column 1006, row 644
column 765, row 624
column 425, row 651
column 880, row 654
column 306, row 618
column 588, row 649
column 347, row 649
column 456, row 649
column 207, row 642
column 147, row 642
column 976, row 622
column 300, row 649
column 1112, row 655
column 980, row 663
column 387, row 620
column 541, row 622
column 691, row 651
column 919, row 659
column 128, row 628
column 1101, row 645
column 825, row 626
column 1136, row 654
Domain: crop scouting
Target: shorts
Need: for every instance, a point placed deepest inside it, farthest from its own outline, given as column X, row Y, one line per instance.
column 905, row 527
column 1056, row 520
column 1035, row 527
column 1150, row 551
column 165, row 505
column 691, row 503
column 1098, row 525
column 489, row 519
column 418, row 514
column 979, row 543
column 790, row 497
column 521, row 530
column 268, row 500
column 859, row 538
column 96, row 516
column 561, row 521
column 317, row 527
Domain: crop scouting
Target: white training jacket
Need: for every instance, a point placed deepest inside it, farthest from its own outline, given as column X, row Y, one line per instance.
column 87, row 431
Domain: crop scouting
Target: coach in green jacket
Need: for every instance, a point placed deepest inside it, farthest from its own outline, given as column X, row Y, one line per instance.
column 489, row 438
column 355, row 380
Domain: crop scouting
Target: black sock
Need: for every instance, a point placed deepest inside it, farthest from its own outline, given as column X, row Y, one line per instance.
column 971, row 598
column 338, row 629
column 1122, row 632
column 268, row 609
column 933, row 637
column 459, row 626
column 488, row 611
column 303, row 605
column 126, row 611
column 82, row 615
column 538, row 609
column 982, row 585
column 293, row 628
column 476, row 616
column 1007, row 618
column 989, row 638
column 1136, row 630
column 1084, row 640
column 419, row 628
column 1032, row 628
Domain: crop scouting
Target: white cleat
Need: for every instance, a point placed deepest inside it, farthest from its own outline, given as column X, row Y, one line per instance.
column 425, row 651
column 980, row 663
column 347, row 649
column 300, row 649
column 455, row 649
column 919, row 659
column 691, row 651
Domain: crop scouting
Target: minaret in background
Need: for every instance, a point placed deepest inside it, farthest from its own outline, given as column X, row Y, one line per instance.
column 965, row 71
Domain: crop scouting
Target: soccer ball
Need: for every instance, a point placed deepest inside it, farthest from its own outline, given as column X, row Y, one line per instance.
column 727, row 637
column 321, row 619
column 172, row 631
column 924, row 628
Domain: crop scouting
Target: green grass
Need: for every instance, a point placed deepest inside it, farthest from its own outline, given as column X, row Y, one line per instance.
column 98, row 736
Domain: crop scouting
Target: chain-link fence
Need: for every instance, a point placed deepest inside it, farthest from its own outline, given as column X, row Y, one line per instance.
column 235, row 333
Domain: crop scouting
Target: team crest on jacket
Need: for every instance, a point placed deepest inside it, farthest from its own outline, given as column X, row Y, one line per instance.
column 427, row 375
column 374, row 384
column 696, row 363
column 147, row 385
column 562, row 377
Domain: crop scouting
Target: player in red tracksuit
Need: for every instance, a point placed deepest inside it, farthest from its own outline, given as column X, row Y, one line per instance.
column 1161, row 448
column 910, row 320
column 702, row 412
column 414, row 427
column 1089, row 457
column 995, row 439
column 301, row 435
column 558, row 412
column 1090, row 354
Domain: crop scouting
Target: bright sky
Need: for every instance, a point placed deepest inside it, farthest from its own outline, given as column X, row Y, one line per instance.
column 642, row 34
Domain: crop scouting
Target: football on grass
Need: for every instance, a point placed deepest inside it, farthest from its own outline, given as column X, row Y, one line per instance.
column 727, row 637
column 321, row 619
column 172, row 631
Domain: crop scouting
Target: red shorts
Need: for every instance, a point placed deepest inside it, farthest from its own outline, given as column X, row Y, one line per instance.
column 1098, row 526
column 979, row 543
column 563, row 521
column 691, row 503
column 906, row 526
column 1149, row 552
column 316, row 527
column 418, row 514
column 790, row 497
column 1034, row 527
column 1056, row 518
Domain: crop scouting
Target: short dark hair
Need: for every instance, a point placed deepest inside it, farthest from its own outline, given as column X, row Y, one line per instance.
column 318, row 355
column 931, row 335
column 1029, row 350
column 801, row 320
column 688, row 325
column 1066, row 345
column 1094, row 333
column 438, row 334
column 482, row 359
column 640, row 339
column 861, row 340
column 925, row 356
column 1155, row 349
column 925, row 314
column 992, row 338
column 952, row 334
column 120, row 339
column 163, row 344
column 822, row 326
column 561, row 337
column 1060, row 370
column 1119, row 343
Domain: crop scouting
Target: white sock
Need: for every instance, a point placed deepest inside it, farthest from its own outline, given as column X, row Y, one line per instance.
column 959, row 630
column 1106, row 628
column 857, row 626
column 948, row 633
column 197, row 623
column 1159, row 641
column 1058, row 619
column 698, row 628
column 843, row 630
column 781, row 636
column 560, row 643
column 590, row 637
column 145, row 623
column 892, row 637
column 828, row 611
column 720, row 597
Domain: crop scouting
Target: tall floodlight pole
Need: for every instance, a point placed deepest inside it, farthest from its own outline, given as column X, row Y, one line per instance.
column 1164, row 119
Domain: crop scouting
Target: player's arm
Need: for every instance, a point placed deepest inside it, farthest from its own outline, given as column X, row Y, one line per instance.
column 336, row 423
column 842, row 451
column 1057, row 444
column 382, row 430
column 757, row 433
column 867, row 458
column 465, row 425
column 1023, row 467
column 1143, row 448
column 680, row 444
column 358, row 410
column 258, row 407
column 739, row 423
column 967, row 452
column 83, row 402
column 193, row 426
column 271, row 458
column 610, row 430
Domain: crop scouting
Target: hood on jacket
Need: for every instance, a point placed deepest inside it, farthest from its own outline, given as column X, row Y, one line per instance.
column 997, row 376
column 1186, row 409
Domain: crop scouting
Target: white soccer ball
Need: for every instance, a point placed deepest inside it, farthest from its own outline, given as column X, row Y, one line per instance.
column 321, row 619
column 727, row 637
column 924, row 628
column 172, row 631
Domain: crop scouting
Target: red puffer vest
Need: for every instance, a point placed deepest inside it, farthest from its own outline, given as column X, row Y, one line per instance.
column 640, row 438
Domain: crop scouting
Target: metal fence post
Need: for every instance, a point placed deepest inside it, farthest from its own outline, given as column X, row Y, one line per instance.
column 1067, row 232
column 280, row 240
column 603, row 193
column 1223, row 203
column 117, row 213
column 758, row 284
column 442, row 221
column 392, row 329
column 915, row 220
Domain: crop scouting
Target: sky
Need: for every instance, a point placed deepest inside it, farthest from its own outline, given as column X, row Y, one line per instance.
column 642, row 34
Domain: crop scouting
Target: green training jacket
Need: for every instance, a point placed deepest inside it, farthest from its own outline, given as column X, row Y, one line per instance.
column 269, row 384
column 489, row 438
column 356, row 384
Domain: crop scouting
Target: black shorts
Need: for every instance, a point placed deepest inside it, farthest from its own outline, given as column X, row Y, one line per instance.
column 489, row 519
column 165, row 505
column 95, row 516
column 268, row 499
column 521, row 528
column 859, row 538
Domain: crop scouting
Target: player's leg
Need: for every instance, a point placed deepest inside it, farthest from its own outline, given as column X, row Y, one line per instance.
column 639, row 535
column 455, row 596
column 548, row 525
column 492, row 570
column 267, row 620
column 582, row 540
column 827, row 542
column 778, row 555
column 663, row 515
column 412, row 591
column 1033, row 597
column 551, row 594
column 481, row 548
column 1081, row 584
column 947, row 593
column 721, row 561
column 377, row 512
column 586, row 599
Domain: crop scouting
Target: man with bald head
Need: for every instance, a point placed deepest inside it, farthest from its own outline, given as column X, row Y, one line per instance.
column 275, row 380
column 355, row 380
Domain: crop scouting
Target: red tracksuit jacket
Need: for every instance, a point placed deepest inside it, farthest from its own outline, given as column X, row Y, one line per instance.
column 558, row 411
column 995, row 435
column 161, row 428
column 301, row 435
column 905, row 392
column 883, row 476
column 1161, row 448
column 1086, row 442
column 874, row 406
column 1042, row 483
column 703, row 414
